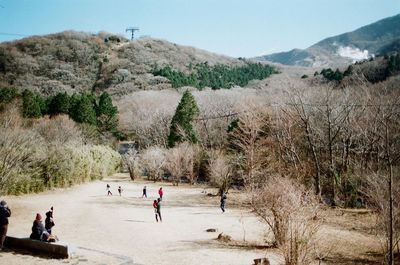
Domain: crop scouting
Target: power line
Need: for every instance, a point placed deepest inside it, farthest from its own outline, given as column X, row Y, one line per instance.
column 235, row 114
column 12, row 34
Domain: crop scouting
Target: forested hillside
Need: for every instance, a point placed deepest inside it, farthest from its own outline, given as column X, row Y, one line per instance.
column 76, row 62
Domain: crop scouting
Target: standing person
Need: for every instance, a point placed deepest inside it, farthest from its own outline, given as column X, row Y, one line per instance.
column 108, row 190
column 5, row 212
column 223, row 199
column 159, row 209
column 160, row 193
column 119, row 190
column 155, row 209
column 49, row 221
column 144, row 192
column 38, row 230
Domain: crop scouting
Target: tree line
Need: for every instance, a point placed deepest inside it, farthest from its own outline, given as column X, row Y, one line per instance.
column 218, row 76
column 84, row 108
column 373, row 72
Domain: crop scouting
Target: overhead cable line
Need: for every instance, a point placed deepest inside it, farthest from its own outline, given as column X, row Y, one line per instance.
column 12, row 34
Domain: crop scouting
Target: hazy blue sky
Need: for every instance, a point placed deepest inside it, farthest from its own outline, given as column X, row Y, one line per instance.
column 231, row 27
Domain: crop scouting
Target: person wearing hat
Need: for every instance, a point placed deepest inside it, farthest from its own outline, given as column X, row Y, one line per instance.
column 38, row 230
column 5, row 212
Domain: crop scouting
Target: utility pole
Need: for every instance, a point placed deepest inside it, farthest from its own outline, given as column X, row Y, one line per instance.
column 132, row 30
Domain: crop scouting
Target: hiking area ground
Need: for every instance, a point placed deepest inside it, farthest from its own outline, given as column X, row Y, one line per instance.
column 103, row 229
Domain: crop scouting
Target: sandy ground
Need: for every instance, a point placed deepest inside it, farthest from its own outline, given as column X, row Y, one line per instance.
column 122, row 230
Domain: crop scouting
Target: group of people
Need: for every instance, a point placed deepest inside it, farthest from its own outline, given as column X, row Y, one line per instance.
column 43, row 232
column 157, row 205
column 39, row 231
column 108, row 187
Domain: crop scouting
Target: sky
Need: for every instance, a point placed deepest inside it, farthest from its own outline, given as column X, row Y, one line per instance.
column 238, row 28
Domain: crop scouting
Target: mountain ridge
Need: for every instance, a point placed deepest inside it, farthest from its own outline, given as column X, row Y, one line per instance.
column 76, row 62
column 380, row 37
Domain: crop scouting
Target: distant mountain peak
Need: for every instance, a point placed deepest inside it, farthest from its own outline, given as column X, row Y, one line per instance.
column 368, row 41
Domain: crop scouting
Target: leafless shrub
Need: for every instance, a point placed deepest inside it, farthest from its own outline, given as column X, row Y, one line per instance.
column 131, row 161
column 58, row 130
column 220, row 171
column 21, row 151
column 291, row 212
column 180, row 161
column 147, row 115
column 152, row 161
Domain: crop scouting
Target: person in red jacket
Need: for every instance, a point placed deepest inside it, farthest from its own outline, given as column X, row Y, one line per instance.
column 160, row 193
column 155, row 207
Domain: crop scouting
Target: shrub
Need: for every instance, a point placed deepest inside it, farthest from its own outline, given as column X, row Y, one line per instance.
column 180, row 161
column 291, row 212
column 152, row 161
column 220, row 171
column 7, row 94
column 49, row 154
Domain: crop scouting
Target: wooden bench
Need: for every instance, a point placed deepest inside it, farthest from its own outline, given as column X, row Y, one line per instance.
column 54, row 250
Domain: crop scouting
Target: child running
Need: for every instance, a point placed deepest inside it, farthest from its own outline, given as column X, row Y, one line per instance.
column 108, row 190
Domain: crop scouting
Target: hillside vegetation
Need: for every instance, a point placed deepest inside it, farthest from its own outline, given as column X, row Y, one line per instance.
column 46, row 153
column 76, row 62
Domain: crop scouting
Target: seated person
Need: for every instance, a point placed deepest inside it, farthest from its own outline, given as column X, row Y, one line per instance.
column 38, row 230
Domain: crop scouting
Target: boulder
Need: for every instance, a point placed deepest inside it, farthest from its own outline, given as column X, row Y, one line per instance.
column 223, row 237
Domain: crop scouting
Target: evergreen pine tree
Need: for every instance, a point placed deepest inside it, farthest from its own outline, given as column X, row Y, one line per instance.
column 84, row 111
column 30, row 105
column 60, row 103
column 186, row 111
column 107, row 119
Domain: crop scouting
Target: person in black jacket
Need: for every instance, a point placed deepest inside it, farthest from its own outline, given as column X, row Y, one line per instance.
column 38, row 230
column 49, row 221
column 5, row 212
column 223, row 200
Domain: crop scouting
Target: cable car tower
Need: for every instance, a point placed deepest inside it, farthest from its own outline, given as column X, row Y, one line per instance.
column 132, row 30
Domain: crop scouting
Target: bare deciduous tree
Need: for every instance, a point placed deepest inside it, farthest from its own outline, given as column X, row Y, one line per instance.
column 291, row 212
column 250, row 141
column 220, row 171
column 384, row 184
column 131, row 160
